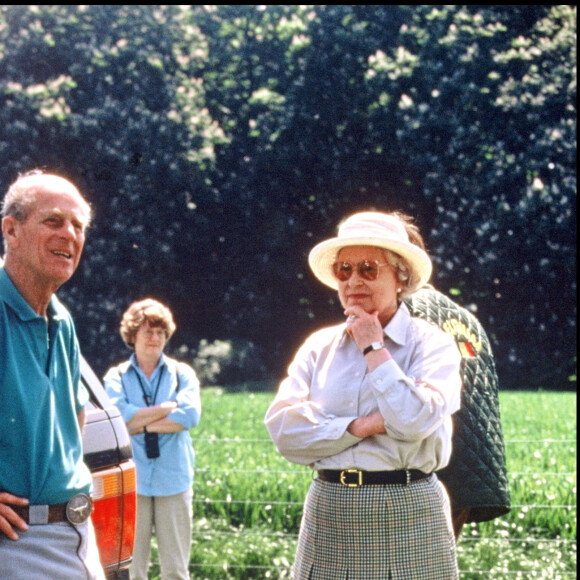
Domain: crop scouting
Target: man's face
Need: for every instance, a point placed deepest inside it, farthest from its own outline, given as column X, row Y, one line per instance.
column 50, row 241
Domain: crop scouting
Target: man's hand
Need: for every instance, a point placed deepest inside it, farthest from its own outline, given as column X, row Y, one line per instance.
column 9, row 519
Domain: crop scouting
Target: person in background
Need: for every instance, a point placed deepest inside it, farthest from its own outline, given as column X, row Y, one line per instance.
column 159, row 399
column 367, row 405
column 45, row 486
column 476, row 476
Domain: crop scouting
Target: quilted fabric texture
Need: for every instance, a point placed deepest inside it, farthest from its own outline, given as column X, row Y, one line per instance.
column 476, row 477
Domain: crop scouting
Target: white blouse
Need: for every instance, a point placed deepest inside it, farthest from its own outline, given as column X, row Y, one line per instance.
column 328, row 386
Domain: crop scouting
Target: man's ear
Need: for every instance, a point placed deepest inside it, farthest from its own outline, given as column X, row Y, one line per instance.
column 10, row 230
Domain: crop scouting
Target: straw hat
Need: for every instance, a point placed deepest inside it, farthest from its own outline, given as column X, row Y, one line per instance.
column 371, row 229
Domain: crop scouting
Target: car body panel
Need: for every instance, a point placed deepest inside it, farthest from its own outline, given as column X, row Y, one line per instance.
column 108, row 454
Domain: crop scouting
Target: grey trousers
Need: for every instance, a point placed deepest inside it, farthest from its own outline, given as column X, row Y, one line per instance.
column 171, row 517
column 58, row 551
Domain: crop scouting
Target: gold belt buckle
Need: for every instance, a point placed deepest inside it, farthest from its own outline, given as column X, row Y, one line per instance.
column 344, row 473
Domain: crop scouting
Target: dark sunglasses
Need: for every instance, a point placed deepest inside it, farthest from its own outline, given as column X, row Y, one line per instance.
column 367, row 269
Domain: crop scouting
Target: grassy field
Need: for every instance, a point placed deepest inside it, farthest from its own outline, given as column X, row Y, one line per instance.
column 248, row 499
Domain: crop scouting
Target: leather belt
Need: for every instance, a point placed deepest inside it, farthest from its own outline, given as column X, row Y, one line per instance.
column 357, row 477
column 76, row 511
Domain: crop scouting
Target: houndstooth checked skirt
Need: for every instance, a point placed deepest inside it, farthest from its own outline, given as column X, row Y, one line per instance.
column 376, row 532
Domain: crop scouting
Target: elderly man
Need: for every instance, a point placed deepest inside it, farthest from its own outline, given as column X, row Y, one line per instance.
column 45, row 506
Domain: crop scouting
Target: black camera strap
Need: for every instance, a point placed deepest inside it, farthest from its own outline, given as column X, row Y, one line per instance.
column 147, row 398
column 150, row 402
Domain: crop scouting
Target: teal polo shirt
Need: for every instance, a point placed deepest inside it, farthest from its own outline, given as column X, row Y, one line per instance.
column 41, row 393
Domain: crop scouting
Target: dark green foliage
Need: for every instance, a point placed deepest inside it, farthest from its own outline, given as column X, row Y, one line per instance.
column 218, row 144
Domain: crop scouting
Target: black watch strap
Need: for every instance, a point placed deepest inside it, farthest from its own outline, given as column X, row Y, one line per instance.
column 373, row 346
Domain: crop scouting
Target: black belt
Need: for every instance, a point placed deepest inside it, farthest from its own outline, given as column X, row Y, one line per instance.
column 76, row 511
column 356, row 477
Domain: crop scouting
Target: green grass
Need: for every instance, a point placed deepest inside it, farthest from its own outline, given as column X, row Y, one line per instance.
column 248, row 499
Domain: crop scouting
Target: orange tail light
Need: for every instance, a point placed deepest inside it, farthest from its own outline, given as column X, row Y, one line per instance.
column 115, row 500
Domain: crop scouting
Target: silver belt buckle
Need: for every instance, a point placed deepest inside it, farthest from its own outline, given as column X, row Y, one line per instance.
column 37, row 515
column 79, row 508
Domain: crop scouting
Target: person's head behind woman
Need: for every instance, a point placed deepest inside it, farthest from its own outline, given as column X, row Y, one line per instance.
column 146, row 311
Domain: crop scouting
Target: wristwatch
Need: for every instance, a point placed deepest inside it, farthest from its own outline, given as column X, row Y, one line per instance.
column 373, row 346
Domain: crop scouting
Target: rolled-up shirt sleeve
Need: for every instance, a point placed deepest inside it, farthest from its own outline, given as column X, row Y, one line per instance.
column 188, row 411
column 130, row 399
column 115, row 391
column 414, row 404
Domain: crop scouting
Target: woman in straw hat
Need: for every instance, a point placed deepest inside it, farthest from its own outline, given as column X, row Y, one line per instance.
column 367, row 405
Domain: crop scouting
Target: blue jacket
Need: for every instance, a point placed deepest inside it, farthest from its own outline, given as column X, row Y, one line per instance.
column 172, row 471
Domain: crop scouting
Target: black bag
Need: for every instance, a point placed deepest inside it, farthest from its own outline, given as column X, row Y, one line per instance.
column 151, row 444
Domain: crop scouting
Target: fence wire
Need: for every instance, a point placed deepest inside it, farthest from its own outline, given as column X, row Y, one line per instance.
column 464, row 540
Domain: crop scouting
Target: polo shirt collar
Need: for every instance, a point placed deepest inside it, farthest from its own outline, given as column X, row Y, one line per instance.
column 12, row 297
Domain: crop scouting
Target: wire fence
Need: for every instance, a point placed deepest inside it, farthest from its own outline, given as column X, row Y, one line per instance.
column 281, row 568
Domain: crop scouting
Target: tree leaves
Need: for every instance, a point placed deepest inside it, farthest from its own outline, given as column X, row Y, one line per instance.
column 218, row 144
